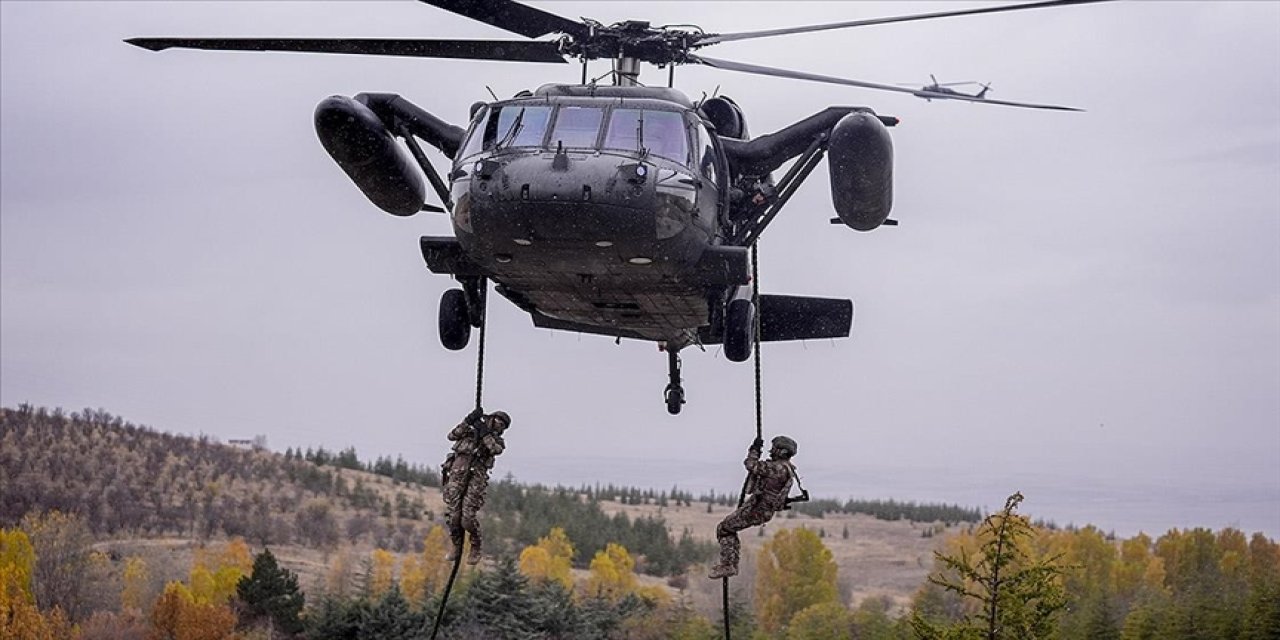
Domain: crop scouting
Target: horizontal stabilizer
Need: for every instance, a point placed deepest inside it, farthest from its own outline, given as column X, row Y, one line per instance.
column 800, row 318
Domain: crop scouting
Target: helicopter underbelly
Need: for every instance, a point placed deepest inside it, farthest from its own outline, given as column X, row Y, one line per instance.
column 608, row 267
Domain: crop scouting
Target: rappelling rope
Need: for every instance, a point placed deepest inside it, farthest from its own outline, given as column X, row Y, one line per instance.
column 466, row 482
column 755, row 348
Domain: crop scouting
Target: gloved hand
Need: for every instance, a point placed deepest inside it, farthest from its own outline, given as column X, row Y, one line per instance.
column 757, row 444
column 473, row 418
column 481, row 429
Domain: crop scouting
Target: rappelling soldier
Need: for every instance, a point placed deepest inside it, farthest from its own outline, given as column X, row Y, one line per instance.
column 465, row 475
column 768, row 483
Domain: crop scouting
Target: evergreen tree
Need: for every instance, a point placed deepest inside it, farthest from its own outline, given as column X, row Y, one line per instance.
column 499, row 602
column 1019, row 596
column 271, row 592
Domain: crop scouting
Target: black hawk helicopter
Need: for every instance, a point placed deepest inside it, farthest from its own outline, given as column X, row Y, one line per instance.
column 620, row 210
column 942, row 91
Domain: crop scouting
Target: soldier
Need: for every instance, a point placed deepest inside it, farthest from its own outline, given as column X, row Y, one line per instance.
column 476, row 442
column 768, row 484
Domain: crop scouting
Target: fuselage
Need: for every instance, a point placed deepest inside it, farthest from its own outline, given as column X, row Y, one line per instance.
column 593, row 206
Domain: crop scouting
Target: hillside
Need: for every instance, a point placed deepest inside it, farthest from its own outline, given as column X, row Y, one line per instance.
column 161, row 495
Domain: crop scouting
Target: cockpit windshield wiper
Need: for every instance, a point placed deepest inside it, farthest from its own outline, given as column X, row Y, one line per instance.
column 513, row 131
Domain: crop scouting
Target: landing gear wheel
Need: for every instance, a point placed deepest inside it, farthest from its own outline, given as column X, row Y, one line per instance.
column 675, row 399
column 739, row 330
column 455, row 320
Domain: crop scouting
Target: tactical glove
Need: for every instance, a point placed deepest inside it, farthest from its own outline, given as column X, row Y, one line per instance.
column 481, row 430
column 757, row 444
column 473, row 418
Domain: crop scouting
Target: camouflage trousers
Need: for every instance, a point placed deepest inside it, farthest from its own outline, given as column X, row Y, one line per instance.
column 750, row 514
column 464, row 517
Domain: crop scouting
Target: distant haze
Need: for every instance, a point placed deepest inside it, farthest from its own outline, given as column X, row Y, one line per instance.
column 1081, row 306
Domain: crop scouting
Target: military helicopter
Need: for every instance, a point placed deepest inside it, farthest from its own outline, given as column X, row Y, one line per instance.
column 620, row 210
column 943, row 91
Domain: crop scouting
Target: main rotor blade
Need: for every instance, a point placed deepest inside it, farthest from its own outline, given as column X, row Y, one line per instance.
column 513, row 16
column 729, row 65
column 516, row 50
column 714, row 38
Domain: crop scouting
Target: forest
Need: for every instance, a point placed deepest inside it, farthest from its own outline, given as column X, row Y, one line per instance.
column 84, row 494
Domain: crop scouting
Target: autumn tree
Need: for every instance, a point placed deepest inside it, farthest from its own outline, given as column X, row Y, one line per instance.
column 1019, row 595
column 795, row 571
column 217, row 570
column 271, row 593
column 61, row 543
column 382, row 572
column 550, row 560
column 612, row 573
column 178, row 616
column 137, row 578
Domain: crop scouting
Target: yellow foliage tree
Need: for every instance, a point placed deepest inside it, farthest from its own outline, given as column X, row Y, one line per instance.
column 338, row 579
column 413, row 581
column 612, row 573
column 177, row 615
column 17, row 564
column 382, row 573
column 217, row 570
column 136, row 578
column 795, row 571
column 550, row 560
column 434, row 566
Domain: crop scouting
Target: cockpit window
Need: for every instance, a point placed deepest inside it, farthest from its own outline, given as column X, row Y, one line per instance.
column 661, row 133
column 475, row 135
column 515, row 125
column 576, row 127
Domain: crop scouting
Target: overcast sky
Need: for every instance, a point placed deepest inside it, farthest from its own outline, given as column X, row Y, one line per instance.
column 1084, row 306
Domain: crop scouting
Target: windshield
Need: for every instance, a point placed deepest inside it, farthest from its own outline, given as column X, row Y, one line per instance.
column 577, row 127
column 661, row 133
column 516, row 126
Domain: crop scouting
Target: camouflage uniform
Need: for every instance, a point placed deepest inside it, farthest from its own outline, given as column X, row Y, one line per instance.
column 466, row 472
column 770, row 482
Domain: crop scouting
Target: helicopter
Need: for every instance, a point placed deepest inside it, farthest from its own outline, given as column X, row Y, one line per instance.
column 621, row 210
column 943, row 91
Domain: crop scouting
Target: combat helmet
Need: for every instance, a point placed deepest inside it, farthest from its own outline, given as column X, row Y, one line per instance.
column 786, row 445
column 501, row 415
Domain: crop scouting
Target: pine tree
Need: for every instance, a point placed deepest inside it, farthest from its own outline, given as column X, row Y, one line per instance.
column 271, row 592
column 499, row 602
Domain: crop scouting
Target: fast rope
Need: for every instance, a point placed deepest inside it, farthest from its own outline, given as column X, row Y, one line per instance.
column 755, row 351
column 466, row 482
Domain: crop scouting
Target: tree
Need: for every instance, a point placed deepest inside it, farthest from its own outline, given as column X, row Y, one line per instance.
column 499, row 603
column 549, row 560
column 178, row 616
column 137, row 578
column 1019, row 596
column 271, row 592
column 794, row 572
column 823, row 621
column 381, row 572
column 217, row 570
column 61, row 542
column 612, row 573
column 17, row 566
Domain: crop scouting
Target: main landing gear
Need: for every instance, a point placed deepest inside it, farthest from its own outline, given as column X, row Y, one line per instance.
column 460, row 310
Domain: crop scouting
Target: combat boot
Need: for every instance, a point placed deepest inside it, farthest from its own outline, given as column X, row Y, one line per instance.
column 474, row 556
column 722, row 571
column 457, row 551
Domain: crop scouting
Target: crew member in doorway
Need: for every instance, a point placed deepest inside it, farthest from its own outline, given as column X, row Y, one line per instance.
column 465, row 475
column 768, row 483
